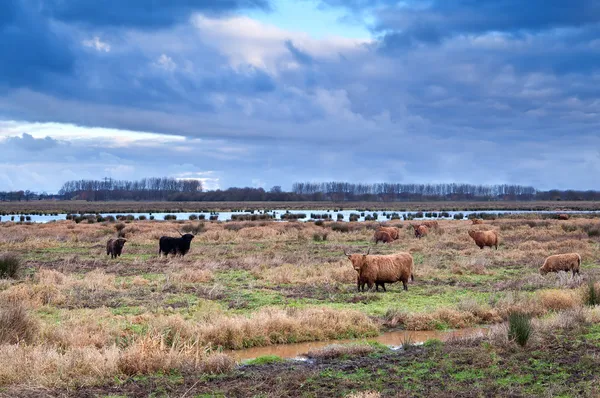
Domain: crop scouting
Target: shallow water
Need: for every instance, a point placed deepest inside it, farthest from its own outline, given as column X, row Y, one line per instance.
column 393, row 339
column 225, row 216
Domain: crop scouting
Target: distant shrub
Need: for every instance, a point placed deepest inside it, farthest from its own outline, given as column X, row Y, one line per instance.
column 193, row 217
column 151, row 217
column 291, row 216
column 168, row 217
column 419, row 214
column 339, row 227
column 110, row 218
column 519, row 328
column 340, row 216
column 130, row 217
column 568, row 227
column 320, row 236
column 10, row 266
column 445, row 214
column 213, row 217
column 319, row 223
column 22, row 218
column 353, row 216
column 142, row 218
column 459, row 216
column 193, row 229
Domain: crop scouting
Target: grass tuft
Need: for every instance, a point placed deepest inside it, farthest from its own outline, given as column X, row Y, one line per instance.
column 10, row 266
column 519, row 328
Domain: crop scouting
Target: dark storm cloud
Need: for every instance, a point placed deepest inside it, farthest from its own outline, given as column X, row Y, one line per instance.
column 147, row 14
column 31, row 50
column 493, row 92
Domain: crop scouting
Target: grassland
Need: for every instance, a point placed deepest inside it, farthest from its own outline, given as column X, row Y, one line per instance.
column 77, row 323
column 80, row 206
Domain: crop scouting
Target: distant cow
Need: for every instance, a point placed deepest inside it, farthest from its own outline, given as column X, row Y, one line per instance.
column 420, row 230
column 382, row 236
column 563, row 216
column 114, row 247
column 177, row 246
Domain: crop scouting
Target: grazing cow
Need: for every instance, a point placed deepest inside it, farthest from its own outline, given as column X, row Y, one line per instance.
column 484, row 238
column 563, row 216
column 381, row 269
column 114, row 247
column 562, row 262
column 393, row 231
column 176, row 246
column 382, row 236
column 477, row 221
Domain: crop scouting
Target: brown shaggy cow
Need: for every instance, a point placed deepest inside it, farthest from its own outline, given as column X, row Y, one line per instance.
column 420, row 230
column 477, row 221
column 561, row 262
column 114, row 247
column 381, row 269
column 431, row 224
column 393, row 231
column 563, row 216
column 382, row 236
column 484, row 238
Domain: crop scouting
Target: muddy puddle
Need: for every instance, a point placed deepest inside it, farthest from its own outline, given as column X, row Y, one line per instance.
column 392, row 339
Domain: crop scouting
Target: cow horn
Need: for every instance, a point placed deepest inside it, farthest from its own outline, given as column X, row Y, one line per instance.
column 347, row 255
column 179, row 232
column 368, row 251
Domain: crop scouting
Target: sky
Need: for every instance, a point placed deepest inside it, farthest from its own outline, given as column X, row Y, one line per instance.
column 260, row 93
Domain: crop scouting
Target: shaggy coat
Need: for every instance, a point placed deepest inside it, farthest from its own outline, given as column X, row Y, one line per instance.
column 382, row 236
column 381, row 269
column 420, row 231
column 562, row 262
column 563, row 216
column 484, row 238
column 181, row 246
column 477, row 221
column 393, row 231
column 430, row 224
column 114, row 247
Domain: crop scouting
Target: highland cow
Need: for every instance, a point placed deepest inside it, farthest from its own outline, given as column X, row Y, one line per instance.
column 477, row 221
column 420, row 231
column 176, row 246
column 114, row 247
column 563, row 216
column 381, row 269
column 382, row 236
column 393, row 231
column 431, row 224
column 562, row 262
column 484, row 238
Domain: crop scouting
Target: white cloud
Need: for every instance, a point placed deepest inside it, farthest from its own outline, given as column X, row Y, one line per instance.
column 98, row 44
column 165, row 62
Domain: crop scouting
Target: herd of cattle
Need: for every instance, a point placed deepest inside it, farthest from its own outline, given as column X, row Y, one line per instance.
column 376, row 270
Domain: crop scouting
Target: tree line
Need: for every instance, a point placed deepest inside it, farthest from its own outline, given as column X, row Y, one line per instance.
column 171, row 189
column 145, row 189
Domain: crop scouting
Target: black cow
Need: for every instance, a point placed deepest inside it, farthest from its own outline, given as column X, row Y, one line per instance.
column 114, row 247
column 175, row 246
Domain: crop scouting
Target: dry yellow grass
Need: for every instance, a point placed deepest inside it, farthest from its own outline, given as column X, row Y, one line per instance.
column 556, row 300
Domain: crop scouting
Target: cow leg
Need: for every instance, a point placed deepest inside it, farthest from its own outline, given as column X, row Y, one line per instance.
column 383, row 286
column 412, row 277
column 370, row 285
column 358, row 286
column 405, row 285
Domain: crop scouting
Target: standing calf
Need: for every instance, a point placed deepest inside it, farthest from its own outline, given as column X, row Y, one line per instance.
column 420, row 230
column 114, row 247
column 562, row 262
